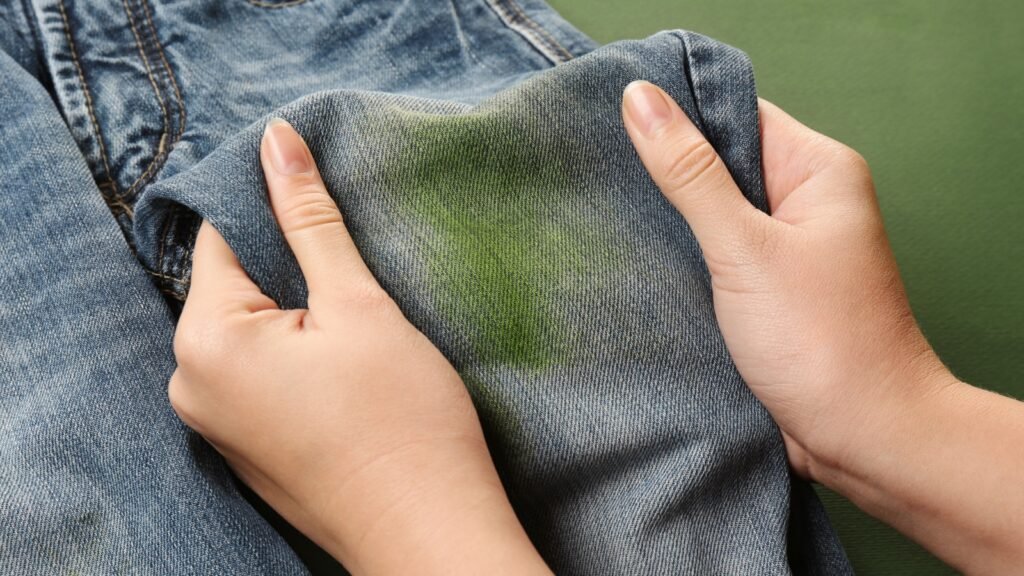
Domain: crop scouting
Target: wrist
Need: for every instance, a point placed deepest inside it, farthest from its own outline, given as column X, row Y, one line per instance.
column 868, row 428
column 936, row 465
column 432, row 515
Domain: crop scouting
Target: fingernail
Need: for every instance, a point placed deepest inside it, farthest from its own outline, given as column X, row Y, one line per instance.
column 285, row 148
column 647, row 107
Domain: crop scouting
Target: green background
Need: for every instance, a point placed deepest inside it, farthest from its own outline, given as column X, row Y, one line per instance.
column 931, row 92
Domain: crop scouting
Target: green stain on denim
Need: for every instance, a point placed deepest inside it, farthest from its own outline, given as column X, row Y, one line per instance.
column 492, row 192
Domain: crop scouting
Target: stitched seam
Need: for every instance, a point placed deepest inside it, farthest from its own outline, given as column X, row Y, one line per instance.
column 163, row 151
column 163, row 148
column 527, row 28
column 165, row 277
column 182, row 116
column 516, row 19
column 92, row 113
column 115, row 202
column 160, row 152
column 273, row 5
column 171, row 293
column 540, row 31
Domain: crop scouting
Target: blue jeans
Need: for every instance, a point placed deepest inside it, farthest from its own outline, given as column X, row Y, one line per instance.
column 476, row 150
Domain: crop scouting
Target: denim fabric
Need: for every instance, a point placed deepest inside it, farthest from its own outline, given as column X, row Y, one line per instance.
column 477, row 152
column 97, row 475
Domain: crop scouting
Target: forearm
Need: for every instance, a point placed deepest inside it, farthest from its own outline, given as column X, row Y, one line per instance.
column 943, row 467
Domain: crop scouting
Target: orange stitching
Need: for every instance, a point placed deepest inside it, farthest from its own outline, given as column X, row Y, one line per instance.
column 165, row 277
column 158, row 155
column 182, row 121
column 88, row 97
column 163, row 148
column 161, row 152
column 547, row 37
column 182, row 116
column 172, row 294
column 119, row 202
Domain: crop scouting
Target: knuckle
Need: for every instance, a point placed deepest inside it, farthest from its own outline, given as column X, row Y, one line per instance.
column 849, row 166
column 851, row 159
column 834, row 153
column 181, row 401
column 309, row 206
column 186, row 343
column 198, row 343
column 689, row 161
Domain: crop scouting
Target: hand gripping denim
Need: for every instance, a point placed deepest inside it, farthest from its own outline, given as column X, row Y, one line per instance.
column 493, row 193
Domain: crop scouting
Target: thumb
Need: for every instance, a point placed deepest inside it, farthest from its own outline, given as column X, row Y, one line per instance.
column 309, row 219
column 690, row 174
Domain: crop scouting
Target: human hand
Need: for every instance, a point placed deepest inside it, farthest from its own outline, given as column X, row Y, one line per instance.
column 809, row 299
column 343, row 417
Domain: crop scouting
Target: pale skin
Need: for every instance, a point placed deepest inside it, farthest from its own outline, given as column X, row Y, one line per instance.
column 352, row 425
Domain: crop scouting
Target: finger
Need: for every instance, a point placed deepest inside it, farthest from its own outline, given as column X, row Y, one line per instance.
column 307, row 215
column 219, row 283
column 689, row 172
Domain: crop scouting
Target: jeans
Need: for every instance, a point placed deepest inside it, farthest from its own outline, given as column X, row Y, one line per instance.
column 476, row 150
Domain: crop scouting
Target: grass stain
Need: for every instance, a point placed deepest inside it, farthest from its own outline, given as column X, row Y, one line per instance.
column 489, row 188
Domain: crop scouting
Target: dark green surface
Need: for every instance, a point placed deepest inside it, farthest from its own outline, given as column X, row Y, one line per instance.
column 932, row 94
